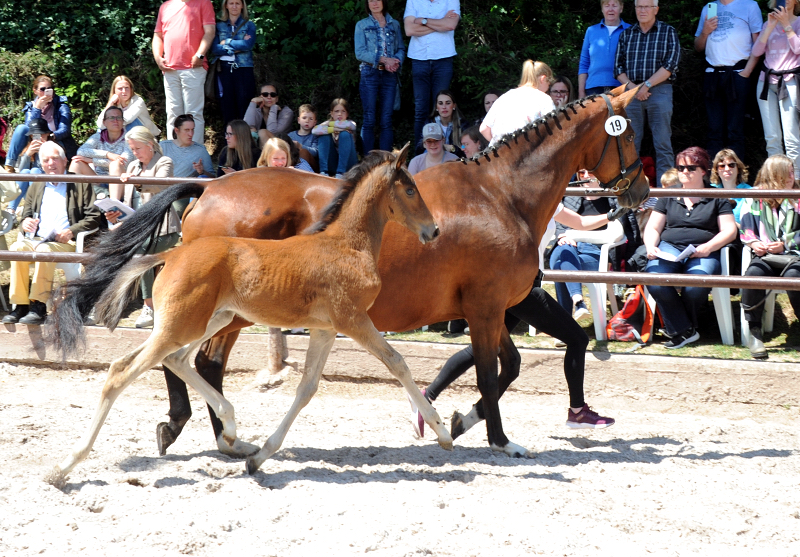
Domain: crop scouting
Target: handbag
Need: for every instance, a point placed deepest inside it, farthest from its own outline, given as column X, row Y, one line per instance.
column 779, row 261
column 210, row 87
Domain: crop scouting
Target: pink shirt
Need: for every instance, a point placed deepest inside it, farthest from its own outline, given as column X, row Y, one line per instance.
column 782, row 53
column 181, row 24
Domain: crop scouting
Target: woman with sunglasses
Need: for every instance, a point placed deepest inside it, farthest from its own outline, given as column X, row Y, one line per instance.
column 266, row 117
column 676, row 223
column 54, row 110
column 729, row 172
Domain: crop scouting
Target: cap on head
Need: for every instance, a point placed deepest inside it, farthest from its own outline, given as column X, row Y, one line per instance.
column 432, row 131
column 38, row 125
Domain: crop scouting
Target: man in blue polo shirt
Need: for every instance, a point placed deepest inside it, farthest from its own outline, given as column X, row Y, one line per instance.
column 596, row 68
column 431, row 25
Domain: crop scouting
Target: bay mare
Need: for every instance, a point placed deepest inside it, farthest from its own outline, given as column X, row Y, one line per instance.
column 324, row 280
column 492, row 212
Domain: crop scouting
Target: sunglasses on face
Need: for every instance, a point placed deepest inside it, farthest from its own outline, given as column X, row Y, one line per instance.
column 269, row 94
column 687, row 167
column 726, row 165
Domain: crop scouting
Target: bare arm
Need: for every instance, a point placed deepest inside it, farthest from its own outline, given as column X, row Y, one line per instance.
column 208, row 37
column 708, row 27
column 415, row 28
column 727, row 232
column 158, row 51
column 570, row 218
column 652, row 233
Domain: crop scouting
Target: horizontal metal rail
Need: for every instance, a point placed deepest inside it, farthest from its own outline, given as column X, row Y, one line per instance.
column 647, row 279
column 94, row 179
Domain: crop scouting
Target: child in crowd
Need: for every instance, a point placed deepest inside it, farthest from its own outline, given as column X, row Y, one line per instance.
column 275, row 153
column 337, row 145
column 307, row 119
column 670, row 179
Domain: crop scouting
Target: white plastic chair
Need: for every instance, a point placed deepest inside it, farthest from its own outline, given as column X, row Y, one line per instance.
column 72, row 271
column 768, row 319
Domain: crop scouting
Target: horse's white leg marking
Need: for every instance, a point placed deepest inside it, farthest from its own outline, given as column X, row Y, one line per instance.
column 512, row 450
column 178, row 362
column 369, row 337
column 318, row 349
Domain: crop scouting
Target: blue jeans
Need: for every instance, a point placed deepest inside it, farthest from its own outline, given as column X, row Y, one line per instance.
column 333, row 160
column 584, row 257
column 235, row 89
column 129, row 127
column 23, row 186
column 726, row 104
column 658, row 108
column 377, row 88
column 680, row 311
column 19, row 140
column 429, row 77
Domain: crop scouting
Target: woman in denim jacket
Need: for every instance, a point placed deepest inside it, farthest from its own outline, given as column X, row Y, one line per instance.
column 380, row 47
column 233, row 47
column 52, row 108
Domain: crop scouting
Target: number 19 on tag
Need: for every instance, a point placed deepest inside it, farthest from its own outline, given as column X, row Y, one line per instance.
column 616, row 125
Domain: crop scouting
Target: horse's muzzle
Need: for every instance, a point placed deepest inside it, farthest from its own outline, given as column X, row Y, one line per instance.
column 429, row 233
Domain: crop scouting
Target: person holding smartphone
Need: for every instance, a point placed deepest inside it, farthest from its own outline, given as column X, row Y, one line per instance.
column 726, row 33
column 49, row 107
column 29, row 162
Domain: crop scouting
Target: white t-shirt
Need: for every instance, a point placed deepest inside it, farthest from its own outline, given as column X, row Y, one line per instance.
column 437, row 45
column 732, row 40
column 515, row 109
column 549, row 232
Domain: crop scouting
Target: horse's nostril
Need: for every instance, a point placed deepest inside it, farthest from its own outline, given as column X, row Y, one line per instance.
column 436, row 231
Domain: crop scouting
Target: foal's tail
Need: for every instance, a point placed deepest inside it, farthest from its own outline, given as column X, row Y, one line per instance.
column 114, row 249
column 123, row 289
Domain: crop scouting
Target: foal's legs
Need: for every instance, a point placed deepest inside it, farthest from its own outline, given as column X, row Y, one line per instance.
column 368, row 336
column 318, row 349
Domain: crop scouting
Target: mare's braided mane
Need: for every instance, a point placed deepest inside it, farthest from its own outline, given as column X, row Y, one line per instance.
column 534, row 126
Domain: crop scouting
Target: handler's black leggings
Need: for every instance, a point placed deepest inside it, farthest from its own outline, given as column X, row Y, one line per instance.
column 543, row 312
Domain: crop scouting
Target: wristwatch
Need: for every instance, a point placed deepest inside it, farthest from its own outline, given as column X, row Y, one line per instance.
column 649, row 86
column 425, row 21
column 201, row 56
column 787, row 29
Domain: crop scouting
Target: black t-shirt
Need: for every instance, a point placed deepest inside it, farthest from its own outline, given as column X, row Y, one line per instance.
column 695, row 227
column 591, row 207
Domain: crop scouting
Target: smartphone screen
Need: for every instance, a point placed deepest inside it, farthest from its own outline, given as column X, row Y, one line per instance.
column 712, row 10
column 780, row 4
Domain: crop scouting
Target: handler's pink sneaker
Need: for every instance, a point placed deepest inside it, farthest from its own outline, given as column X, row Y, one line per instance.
column 587, row 419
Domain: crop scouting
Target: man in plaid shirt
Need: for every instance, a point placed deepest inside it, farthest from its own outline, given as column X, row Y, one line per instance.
column 647, row 55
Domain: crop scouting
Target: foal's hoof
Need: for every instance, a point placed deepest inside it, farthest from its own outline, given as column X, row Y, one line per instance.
column 252, row 467
column 164, row 437
column 56, row 478
column 513, row 450
column 457, row 425
column 446, row 444
column 239, row 449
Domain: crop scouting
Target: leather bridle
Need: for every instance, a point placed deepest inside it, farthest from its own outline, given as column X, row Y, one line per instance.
column 620, row 183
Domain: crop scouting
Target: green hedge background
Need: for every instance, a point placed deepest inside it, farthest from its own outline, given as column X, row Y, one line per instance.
column 307, row 47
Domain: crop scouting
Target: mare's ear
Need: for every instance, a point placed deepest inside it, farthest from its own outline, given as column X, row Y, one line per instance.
column 401, row 156
column 625, row 98
column 617, row 91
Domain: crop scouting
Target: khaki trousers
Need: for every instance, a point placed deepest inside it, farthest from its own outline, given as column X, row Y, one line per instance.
column 43, row 273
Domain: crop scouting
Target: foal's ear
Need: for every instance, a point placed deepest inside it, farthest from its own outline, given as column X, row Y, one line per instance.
column 401, row 156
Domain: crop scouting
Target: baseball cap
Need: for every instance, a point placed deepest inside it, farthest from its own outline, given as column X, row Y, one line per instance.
column 432, row 131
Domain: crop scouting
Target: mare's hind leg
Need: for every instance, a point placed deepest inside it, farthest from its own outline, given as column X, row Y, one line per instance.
column 180, row 410
column 318, row 349
column 121, row 373
column 365, row 334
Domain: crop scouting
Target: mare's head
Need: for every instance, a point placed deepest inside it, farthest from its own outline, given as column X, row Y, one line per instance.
column 613, row 158
column 394, row 190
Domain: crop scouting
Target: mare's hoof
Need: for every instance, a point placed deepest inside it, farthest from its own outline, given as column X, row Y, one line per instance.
column 457, row 425
column 164, row 437
column 56, row 478
column 513, row 450
column 252, row 467
column 239, row 449
column 446, row 444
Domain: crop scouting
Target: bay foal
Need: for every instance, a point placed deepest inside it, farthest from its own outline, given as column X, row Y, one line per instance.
column 325, row 281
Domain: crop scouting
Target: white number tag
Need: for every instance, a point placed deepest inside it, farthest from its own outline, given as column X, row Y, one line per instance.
column 616, row 125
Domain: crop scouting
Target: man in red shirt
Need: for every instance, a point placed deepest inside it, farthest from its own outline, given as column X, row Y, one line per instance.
column 184, row 33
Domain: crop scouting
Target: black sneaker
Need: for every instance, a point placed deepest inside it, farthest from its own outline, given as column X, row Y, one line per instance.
column 681, row 340
column 19, row 311
column 36, row 314
column 456, row 326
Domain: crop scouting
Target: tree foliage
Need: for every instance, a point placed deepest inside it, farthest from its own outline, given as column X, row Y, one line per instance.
column 307, row 48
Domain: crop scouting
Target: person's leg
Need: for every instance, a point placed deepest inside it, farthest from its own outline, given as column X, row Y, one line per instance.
column 441, row 75
column 771, row 120
column 43, row 273
column 421, row 79
column 790, row 122
column 752, row 299
column 794, row 295
column 347, row 153
column 635, row 112
column 18, row 291
column 226, row 93
column 174, row 98
column 565, row 258
column 735, row 111
column 694, row 297
column 368, row 88
column 327, row 154
column 659, row 118
column 669, row 302
column 194, row 99
column 715, row 110
column 17, row 144
column 386, row 94
column 244, row 90
column 23, row 188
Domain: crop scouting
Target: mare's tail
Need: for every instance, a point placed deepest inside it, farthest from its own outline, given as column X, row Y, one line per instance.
column 123, row 289
column 114, row 249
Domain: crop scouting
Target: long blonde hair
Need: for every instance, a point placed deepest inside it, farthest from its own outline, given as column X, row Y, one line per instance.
column 274, row 144
column 773, row 175
column 532, row 71
column 114, row 86
column 243, row 152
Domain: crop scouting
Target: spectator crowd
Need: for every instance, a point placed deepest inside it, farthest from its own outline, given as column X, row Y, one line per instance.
column 206, row 55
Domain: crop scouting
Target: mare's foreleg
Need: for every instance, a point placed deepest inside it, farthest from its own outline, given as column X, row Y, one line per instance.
column 368, row 336
column 319, row 347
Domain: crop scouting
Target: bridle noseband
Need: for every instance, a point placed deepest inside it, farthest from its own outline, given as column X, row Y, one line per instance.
column 620, row 183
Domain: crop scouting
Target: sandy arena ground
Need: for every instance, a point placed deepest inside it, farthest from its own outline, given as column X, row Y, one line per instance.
column 351, row 480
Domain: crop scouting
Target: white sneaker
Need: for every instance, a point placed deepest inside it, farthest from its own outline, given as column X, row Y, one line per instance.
column 145, row 318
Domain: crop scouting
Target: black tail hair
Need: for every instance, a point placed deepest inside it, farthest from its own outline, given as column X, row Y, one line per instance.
column 114, row 249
